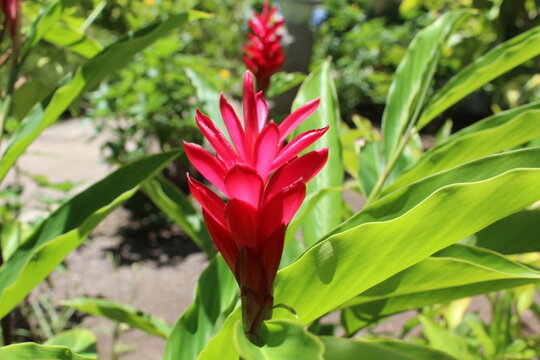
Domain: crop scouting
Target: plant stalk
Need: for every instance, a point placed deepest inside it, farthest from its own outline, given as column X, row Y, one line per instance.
column 388, row 168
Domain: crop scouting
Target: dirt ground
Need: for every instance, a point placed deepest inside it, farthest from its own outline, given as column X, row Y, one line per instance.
column 155, row 274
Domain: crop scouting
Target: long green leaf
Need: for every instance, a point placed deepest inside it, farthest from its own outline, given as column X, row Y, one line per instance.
column 413, row 77
column 121, row 313
column 74, row 41
column 176, row 205
column 452, row 273
column 346, row 349
column 445, row 340
column 31, row 351
column 405, row 199
column 283, row 339
column 350, row 262
column 496, row 62
column 215, row 297
column 68, row 227
column 328, row 212
column 80, row 341
column 515, row 234
column 48, row 17
column 499, row 132
column 110, row 60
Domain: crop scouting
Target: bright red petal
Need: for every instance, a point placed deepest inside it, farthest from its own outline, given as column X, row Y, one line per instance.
column 208, row 200
column 296, row 146
column 242, row 219
column 210, row 167
column 262, row 110
column 216, row 138
column 243, row 183
column 222, row 239
column 250, row 110
column 266, row 149
column 305, row 167
column 293, row 120
column 233, row 125
column 280, row 209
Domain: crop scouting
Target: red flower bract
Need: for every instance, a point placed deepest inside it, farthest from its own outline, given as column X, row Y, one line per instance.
column 265, row 183
column 263, row 54
column 11, row 10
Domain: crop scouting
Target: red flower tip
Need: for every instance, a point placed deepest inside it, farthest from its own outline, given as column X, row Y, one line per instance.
column 264, row 182
column 263, row 54
column 12, row 12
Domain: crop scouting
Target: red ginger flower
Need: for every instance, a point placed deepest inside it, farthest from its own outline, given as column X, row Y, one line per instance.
column 263, row 54
column 11, row 10
column 265, row 182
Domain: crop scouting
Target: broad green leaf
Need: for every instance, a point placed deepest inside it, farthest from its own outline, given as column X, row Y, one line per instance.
column 31, row 351
column 207, row 95
column 81, row 341
column 496, row 62
column 282, row 339
column 515, row 234
column 282, row 82
column 221, row 346
column 371, row 165
column 406, row 198
column 328, row 212
column 175, row 204
column 48, row 17
column 452, row 273
column 215, row 297
column 73, row 40
column 121, row 313
column 110, row 60
column 404, row 230
column 496, row 133
column 380, row 349
column 413, row 77
column 445, row 340
column 68, row 227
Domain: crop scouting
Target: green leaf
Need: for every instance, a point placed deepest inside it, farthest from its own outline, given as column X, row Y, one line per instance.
column 124, row 313
column 48, row 17
column 499, row 132
column 515, row 234
column 177, row 206
column 68, row 227
column 31, row 351
column 208, row 95
column 347, row 349
column 445, row 340
column 283, row 81
column 215, row 297
column 452, row 273
column 406, row 227
column 282, row 339
column 220, row 347
column 109, row 61
column 496, row 62
column 73, row 40
column 413, row 77
column 328, row 212
column 81, row 341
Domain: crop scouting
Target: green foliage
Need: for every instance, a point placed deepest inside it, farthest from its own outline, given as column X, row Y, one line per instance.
column 68, row 227
column 323, row 218
column 30, row 351
column 121, row 313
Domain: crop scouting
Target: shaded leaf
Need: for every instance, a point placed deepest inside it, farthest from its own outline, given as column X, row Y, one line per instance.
column 327, row 214
column 496, row 62
column 121, row 313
